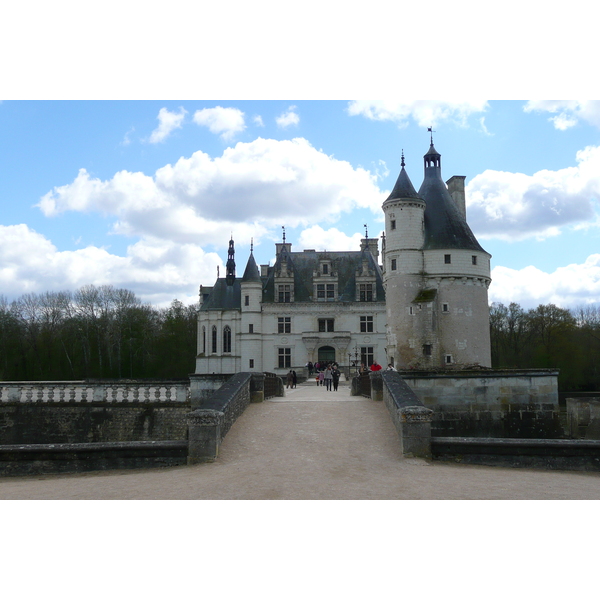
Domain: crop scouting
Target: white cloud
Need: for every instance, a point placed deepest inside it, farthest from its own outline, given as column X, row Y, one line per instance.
column 167, row 122
column 570, row 112
column 225, row 122
column 288, row 118
column 424, row 112
column 258, row 121
column 156, row 270
column 567, row 286
column 250, row 188
column 334, row 240
column 513, row 206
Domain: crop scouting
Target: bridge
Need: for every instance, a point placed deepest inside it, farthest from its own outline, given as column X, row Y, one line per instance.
column 312, row 444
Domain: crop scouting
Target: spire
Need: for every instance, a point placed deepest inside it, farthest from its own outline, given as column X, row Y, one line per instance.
column 251, row 273
column 230, row 266
column 403, row 189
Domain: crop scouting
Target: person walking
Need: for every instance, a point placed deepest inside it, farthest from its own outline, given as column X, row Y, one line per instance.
column 328, row 377
column 310, row 368
column 335, row 373
column 290, row 379
column 294, row 379
column 321, row 377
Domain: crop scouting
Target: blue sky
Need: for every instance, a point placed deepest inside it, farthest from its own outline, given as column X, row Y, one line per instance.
column 145, row 194
column 113, row 170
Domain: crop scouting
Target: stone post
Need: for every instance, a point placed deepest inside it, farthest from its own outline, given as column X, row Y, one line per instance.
column 257, row 387
column 204, row 435
column 376, row 385
column 415, row 431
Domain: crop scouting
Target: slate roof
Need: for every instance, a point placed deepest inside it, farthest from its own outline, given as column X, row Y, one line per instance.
column 251, row 273
column 223, row 296
column 445, row 227
column 403, row 188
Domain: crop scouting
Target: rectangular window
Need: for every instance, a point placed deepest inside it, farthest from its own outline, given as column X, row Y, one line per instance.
column 393, row 224
column 325, row 324
column 246, row 300
column 427, row 350
column 285, row 358
column 250, row 328
column 445, row 307
column 448, row 359
column 284, row 293
column 251, row 363
column 411, row 310
column 366, row 292
column 366, row 355
column 474, row 259
column 394, row 267
column 447, row 259
column 326, row 291
column 366, row 324
column 284, row 324
column 325, row 269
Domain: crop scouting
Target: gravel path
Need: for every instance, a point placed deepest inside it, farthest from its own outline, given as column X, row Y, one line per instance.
column 312, row 444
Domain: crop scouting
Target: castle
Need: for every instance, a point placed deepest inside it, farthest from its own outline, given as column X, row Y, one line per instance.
column 424, row 305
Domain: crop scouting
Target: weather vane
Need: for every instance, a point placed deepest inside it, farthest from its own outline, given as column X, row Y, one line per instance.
column 366, row 231
column 282, row 227
column 251, row 244
column 431, row 131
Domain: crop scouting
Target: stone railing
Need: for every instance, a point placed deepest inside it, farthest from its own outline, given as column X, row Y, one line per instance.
column 410, row 417
column 94, row 391
column 214, row 416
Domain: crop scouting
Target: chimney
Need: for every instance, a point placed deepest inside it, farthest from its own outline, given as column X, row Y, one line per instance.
column 456, row 187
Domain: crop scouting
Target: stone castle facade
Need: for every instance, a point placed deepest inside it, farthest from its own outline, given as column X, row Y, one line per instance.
column 424, row 305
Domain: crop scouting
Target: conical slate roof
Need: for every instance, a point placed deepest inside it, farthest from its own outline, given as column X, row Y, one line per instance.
column 403, row 188
column 251, row 273
column 445, row 227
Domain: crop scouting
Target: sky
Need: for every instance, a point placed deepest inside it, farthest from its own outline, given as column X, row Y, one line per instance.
column 145, row 194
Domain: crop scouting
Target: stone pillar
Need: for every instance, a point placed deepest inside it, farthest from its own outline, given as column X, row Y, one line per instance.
column 376, row 385
column 204, row 435
column 202, row 387
column 415, row 431
column 257, row 387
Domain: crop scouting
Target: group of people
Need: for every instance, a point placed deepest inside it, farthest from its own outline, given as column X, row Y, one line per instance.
column 327, row 375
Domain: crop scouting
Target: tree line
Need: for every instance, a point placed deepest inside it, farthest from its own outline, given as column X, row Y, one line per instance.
column 108, row 333
column 95, row 332
column 549, row 337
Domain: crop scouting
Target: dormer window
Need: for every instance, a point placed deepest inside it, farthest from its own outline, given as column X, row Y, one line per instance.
column 325, row 269
column 366, row 292
column 284, row 293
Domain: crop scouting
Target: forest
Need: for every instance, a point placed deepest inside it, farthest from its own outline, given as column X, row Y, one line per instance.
column 108, row 333
column 96, row 332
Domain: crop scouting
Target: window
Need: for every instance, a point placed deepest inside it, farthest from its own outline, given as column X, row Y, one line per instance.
column 251, row 363
column 427, row 350
column 246, row 300
column 393, row 224
column 325, row 324
column 204, row 340
column 445, row 307
column 325, row 269
column 284, row 293
column 326, row 291
column 448, row 359
column 214, row 339
column 284, row 324
column 411, row 310
column 285, row 358
column 394, row 267
column 250, row 328
column 227, row 339
column 447, row 259
column 474, row 260
column 366, row 324
column 366, row 355
column 366, row 292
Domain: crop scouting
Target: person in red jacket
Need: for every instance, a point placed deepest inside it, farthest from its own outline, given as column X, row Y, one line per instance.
column 375, row 366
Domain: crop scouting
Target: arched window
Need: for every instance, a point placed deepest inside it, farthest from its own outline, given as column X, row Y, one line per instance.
column 214, row 339
column 226, row 339
column 203, row 340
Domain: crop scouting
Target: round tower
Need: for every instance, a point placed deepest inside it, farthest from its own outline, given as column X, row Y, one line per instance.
column 456, row 277
column 404, row 211
column 251, row 323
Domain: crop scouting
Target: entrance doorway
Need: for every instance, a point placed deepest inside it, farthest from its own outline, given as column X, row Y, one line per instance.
column 326, row 355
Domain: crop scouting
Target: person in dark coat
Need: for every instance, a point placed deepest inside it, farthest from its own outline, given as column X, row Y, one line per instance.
column 335, row 374
column 294, row 379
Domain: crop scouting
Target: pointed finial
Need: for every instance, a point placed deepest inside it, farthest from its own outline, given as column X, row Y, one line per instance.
column 217, row 271
column 402, row 161
column 251, row 244
column 366, row 231
column 431, row 131
column 282, row 227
